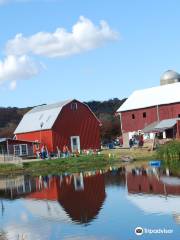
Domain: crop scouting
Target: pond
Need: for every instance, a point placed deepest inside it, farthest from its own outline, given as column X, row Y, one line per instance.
column 99, row 205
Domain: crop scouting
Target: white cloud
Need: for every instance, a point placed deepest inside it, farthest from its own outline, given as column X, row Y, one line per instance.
column 85, row 36
column 4, row 1
column 12, row 85
column 15, row 68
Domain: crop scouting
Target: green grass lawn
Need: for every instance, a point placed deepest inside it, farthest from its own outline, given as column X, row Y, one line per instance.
column 71, row 165
column 10, row 168
column 106, row 159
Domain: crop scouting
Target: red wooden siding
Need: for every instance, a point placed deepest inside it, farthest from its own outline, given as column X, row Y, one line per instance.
column 81, row 122
column 139, row 123
column 45, row 137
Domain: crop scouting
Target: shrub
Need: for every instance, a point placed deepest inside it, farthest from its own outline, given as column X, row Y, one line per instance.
column 169, row 151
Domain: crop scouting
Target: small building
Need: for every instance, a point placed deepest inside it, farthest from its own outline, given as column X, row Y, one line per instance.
column 166, row 129
column 70, row 123
column 10, row 148
column 150, row 106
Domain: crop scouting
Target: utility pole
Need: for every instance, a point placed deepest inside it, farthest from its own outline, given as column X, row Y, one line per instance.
column 41, row 126
column 157, row 109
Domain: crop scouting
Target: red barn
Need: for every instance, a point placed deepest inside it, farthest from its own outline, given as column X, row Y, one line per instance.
column 70, row 123
column 150, row 106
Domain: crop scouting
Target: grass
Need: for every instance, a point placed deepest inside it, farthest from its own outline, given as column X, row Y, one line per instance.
column 170, row 151
column 106, row 159
column 138, row 154
column 170, row 154
column 10, row 168
column 71, row 165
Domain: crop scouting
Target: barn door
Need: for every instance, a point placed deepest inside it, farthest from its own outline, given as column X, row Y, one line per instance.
column 75, row 143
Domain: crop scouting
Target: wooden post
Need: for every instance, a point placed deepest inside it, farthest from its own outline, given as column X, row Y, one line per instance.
column 178, row 129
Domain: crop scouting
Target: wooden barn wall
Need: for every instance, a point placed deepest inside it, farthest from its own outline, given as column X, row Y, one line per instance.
column 45, row 137
column 80, row 122
column 29, row 146
column 139, row 123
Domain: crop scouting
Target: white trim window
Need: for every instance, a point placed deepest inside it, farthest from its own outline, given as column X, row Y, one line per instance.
column 17, row 151
column 21, row 150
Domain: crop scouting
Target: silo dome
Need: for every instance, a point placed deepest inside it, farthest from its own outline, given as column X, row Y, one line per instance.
column 169, row 76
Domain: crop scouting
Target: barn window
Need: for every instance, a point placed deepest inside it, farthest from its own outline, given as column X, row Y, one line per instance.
column 74, row 106
column 17, row 151
column 144, row 114
column 20, row 150
column 178, row 115
column 24, row 150
column 133, row 116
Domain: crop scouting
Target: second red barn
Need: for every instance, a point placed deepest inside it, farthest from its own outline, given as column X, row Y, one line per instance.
column 70, row 123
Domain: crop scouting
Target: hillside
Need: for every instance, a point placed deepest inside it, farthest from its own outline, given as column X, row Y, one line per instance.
column 105, row 110
column 9, row 119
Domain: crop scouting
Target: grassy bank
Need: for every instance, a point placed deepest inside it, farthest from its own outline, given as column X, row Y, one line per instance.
column 71, row 165
column 10, row 168
column 53, row 166
column 76, row 164
column 170, row 151
column 170, row 154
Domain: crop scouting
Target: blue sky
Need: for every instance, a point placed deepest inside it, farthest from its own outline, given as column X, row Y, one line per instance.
column 139, row 41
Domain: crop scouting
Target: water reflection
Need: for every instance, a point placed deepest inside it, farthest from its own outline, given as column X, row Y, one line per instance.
column 59, row 207
column 162, row 191
column 150, row 181
column 16, row 186
column 81, row 197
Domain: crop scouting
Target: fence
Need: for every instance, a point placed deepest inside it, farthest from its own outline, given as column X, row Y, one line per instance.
column 8, row 158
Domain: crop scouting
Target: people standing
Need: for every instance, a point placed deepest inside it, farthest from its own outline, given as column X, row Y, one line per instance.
column 65, row 151
column 130, row 143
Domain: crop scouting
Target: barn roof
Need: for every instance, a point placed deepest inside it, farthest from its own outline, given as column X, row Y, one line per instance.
column 167, row 123
column 154, row 96
column 40, row 118
column 2, row 140
column 160, row 126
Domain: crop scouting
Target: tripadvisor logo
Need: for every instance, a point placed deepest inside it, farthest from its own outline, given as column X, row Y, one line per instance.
column 139, row 231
